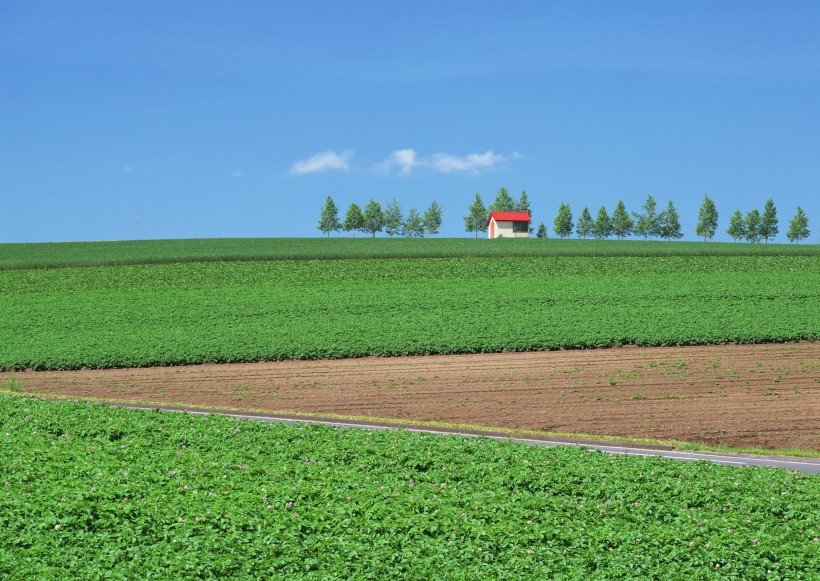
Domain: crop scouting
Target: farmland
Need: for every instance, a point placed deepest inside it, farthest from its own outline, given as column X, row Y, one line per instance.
column 67, row 254
column 741, row 396
column 219, row 312
column 94, row 491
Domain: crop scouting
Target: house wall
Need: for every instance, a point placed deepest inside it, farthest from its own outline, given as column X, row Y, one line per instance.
column 505, row 228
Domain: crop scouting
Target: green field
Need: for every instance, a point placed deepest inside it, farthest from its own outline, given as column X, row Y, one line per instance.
column 194, row 312
column 63, row 254
column 92, row 492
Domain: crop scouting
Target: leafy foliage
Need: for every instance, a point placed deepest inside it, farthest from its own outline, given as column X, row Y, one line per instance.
column 117, row 493
column 562, row 225
column 354, row 219
column 707, row 219
column 737, row 226
column 329, row 219
column 585, row 224
column 476, row 220
column 602, row 228
column 133, row 252
column 622, row 224
column 392, row 219
column 768, row 221
column 753, row 223
column 413, row 226
column 669, row 223
column 648, row 223
column 432, row 218
column 798, row 226
column 373, row 218
column 171, row 314
column 504, row 202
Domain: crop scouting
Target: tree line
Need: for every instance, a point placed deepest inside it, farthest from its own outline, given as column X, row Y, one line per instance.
column 373, row 219
column 649, row 223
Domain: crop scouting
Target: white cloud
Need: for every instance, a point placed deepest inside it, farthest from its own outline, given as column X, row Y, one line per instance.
column 404, row 159
column 237, row 173
column 128, row 168
column 473, row 162
column 322, row 162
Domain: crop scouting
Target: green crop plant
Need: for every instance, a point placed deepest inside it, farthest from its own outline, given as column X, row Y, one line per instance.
column 244, row 311
column 97, row 492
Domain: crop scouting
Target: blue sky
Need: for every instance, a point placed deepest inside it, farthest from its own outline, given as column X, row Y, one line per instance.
column 209, row 119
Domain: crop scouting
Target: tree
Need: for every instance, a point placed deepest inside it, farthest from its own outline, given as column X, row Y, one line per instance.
column 476, row 221
column 752, row 223
column 503, row 202
column 373, row 217
column 798, row 226
column 669, row 223
column 354, row 219
column 621, row 222
column 542, row 231
column 646, row 224
column 707, row 219
column 603, row 225
column 768, row 222
column 329, row 219
column 737, row 227
column 523, row 204
column 562, row 225
column 432, row 218
column 413, row 226
column 585, row 223
column 392, row 218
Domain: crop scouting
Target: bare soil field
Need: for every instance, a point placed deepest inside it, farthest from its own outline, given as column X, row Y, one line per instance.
column 766, row 396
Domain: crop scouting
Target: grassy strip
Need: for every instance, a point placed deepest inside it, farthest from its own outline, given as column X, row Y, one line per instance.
column 93, row 491
column 81, row 254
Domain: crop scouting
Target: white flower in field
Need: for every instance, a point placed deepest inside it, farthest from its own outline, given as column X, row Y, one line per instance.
column 56, row 527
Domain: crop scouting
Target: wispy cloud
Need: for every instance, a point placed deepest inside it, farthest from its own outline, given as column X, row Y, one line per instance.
column 237, row 173
column 128, row 168
column 473, row 162
column 322, row 162
column 406, row 160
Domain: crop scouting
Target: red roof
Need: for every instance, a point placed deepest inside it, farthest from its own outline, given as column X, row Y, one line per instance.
column 509, row 217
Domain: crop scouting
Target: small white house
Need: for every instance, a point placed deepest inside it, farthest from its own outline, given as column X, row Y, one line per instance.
column 508, row 225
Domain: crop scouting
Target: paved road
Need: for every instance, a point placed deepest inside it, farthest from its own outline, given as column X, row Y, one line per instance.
column 808, row 465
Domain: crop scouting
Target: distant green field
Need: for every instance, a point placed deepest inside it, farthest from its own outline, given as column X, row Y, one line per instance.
column 92, row 492
column 173, row 314
column 63, row 254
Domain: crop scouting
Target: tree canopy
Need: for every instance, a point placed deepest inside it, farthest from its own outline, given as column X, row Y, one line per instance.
column 798, row 226
column 432, row 218
column 373, row 217
column 585, row 223
column 329, row 218
column 707, row 219
column 562, row 225
column 476, row 220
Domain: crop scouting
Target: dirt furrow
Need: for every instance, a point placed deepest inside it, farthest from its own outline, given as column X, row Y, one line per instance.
column 758, row 395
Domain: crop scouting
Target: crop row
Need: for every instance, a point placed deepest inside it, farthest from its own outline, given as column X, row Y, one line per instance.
column 92, row 491
column 68, row 254
column 230, row 312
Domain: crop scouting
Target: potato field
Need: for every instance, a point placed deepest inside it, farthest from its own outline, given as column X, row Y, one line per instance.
column 175, row 314
column 90, row 491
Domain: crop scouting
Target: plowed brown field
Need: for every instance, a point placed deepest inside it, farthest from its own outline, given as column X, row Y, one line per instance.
column 738, row 395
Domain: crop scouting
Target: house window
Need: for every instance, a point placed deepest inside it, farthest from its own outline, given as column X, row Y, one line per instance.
column 519, row 227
